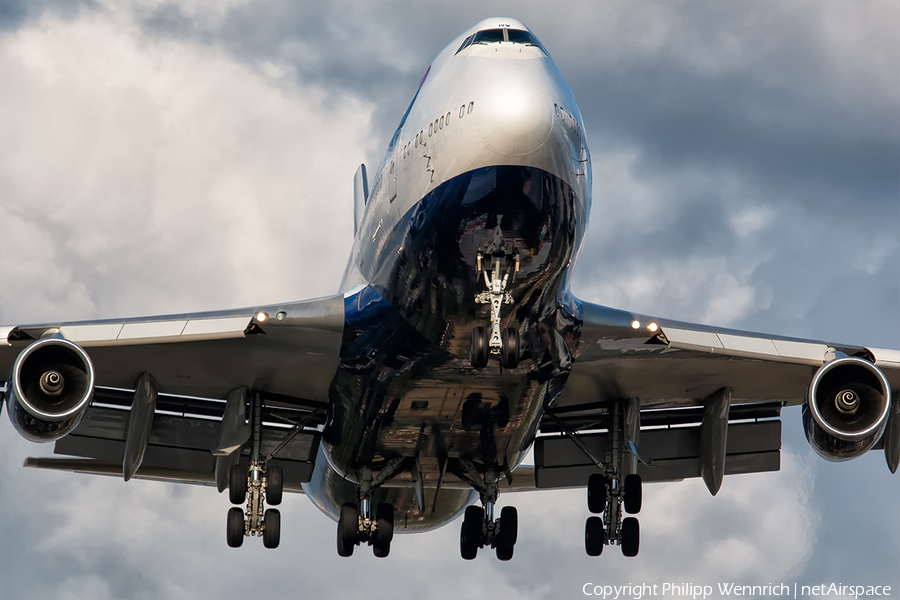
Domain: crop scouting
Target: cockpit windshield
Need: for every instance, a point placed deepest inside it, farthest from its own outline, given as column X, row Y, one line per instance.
column 488, row 36
column 517, row 36
column 499, row 36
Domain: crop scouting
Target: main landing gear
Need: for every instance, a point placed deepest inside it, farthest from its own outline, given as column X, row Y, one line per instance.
column 617, row 487
column 609, row 492
column 479, row 528
column 260, row 484
column 607, row 496
column 357, row 524
column 495, row 341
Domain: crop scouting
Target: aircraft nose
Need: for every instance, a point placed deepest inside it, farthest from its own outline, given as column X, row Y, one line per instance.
column 515, row 119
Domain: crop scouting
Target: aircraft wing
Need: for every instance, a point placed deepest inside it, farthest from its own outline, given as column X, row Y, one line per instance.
column 675, row 369
column 207, row 354
column 200, row 364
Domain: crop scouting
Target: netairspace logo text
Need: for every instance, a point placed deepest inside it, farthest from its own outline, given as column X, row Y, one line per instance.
column 722, row 590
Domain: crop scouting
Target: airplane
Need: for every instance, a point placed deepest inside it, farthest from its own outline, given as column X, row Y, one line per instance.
column 454, row 346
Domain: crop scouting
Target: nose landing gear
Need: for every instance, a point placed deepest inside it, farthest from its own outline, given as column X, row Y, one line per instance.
column 503, row 343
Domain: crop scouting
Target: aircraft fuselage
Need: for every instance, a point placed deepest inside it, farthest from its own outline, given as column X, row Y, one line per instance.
column 490, row 154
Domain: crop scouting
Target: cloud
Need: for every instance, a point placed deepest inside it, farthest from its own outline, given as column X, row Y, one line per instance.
column 166, row 156
column 201, row 181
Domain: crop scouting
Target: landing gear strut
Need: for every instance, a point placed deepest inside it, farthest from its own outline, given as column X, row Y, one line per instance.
column 479, row 528
column 257, row 485
column 357, row 524
column 617, row 486
column 609, row 492
column 503, row 343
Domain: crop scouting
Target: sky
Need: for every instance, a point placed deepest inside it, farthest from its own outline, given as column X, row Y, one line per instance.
column 161, row 156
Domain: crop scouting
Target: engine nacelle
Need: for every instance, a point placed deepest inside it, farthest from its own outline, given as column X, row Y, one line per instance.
column 50, row 387
column 846, row 408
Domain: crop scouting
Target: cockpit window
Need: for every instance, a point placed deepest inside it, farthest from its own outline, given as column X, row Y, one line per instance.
column 488, row 36
column 517, row 36
column 465, row 43
column 498, row 36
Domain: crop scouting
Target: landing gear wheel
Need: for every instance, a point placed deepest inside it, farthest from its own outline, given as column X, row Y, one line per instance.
column 633, row 494
column 510, row 354
column 381, row 551
column 235, row 533
column 596, row 494
column 504, row 553
column 272, row 528
column 467, row 550
column 470, row 536
column 237, row 484
column 348, row 529
column 509, row 532
column 478, row 347
column 384, row 528
column 631, row 536
column 594, row 536
column 274, row 485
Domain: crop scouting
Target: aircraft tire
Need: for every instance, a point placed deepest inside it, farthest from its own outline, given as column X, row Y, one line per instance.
column 381, row 551
column 508, row 534
column 467, row 550
column 235, row 532
column 470, row 532
column 272, row 531
column 596, row 493
column 348, row 529
column 505, row 553
column 384, row 528
column 478, row 348
column 274, row 485
column 631, row 536
column 633, row 494
column 237, row 484
column 509, row 525
column 594, row 536
column 510, row 355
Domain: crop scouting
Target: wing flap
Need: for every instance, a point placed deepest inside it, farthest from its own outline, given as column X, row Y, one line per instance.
column 99, row 467
column 751, row 448
column 185, row 433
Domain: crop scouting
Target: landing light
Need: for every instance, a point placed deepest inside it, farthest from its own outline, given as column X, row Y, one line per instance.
column 261, row 317
column 510, row 102
column 652, row 327
column 635, row 324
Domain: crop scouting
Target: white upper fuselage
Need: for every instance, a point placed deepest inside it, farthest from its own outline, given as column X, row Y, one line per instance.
column 495, row 103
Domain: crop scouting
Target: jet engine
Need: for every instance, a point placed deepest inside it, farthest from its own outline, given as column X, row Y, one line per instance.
column 846, row 408
column 50, row 387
